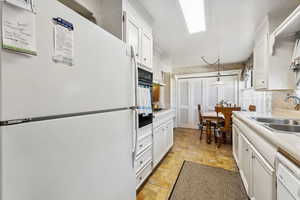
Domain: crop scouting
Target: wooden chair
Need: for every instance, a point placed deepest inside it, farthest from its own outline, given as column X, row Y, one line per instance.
column 205, row 123
column 252, row 108
column 227, row 127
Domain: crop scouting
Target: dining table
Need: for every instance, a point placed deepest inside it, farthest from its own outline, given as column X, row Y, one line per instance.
column 209, row 117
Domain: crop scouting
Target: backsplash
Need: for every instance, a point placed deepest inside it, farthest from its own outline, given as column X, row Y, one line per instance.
column 278, row 99
column 261, row 99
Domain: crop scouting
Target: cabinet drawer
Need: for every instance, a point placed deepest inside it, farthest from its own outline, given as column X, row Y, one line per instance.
column 143, row 159
column 142, row 132
column 142, row 176
column 143, row 143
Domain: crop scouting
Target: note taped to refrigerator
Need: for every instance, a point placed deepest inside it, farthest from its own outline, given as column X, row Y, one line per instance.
column 63, row 41
column 18, row 28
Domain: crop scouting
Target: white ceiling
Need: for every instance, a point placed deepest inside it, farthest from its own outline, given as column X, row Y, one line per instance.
column 230, row 29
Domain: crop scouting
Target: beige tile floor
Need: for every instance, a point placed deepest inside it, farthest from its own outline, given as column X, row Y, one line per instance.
column 187, row 146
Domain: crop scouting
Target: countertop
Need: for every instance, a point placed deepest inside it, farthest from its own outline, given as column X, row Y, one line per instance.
column 286, row 143
column 162, row 112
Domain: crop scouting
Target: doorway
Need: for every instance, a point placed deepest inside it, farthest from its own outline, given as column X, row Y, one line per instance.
column 203, row 91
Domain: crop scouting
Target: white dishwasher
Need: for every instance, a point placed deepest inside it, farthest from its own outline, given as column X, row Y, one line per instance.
column 288, row 179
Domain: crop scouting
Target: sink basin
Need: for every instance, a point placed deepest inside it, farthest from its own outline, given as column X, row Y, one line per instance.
column 284, row 128
column 276, row 121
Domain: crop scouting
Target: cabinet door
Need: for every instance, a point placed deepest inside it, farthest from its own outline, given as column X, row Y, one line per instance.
column 170, row 135
column 133, row 35
column 260, row 64
column 235, row 144
column 262, row 179
column 245, row 163
column 158, row 144
column 147, row 51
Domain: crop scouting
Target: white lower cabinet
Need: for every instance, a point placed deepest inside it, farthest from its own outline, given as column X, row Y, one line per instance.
column 158, row 144
column 235, row 144
column 170, row 134
column 256, row 173
column 153, row 143
column 144, row 157
column 162, row 141
column 162, row 137
column 263, row 182
column 245, row 163
column 143, row 174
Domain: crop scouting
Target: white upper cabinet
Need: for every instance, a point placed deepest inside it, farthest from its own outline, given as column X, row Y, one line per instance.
column 260, row 63
column 133, row 35
column 271, row 72
column 138, row 36
column 147, row 49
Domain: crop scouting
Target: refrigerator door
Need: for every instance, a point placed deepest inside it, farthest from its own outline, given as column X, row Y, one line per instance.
column 87, row 157
column 36, row 86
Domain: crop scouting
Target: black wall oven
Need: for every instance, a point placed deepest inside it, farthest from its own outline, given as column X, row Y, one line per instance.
column 145, row 79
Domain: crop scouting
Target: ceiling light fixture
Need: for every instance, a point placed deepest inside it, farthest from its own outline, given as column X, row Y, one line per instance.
column 194, row 14
column 218, row 82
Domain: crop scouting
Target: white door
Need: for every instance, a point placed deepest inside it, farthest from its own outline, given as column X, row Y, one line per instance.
column 35, row 86
column 262, row 179
column 260, row 64
column 196, row 97
column 147, row 51
column 170, row 135
column 190, row 95
column 132, row 35
column 229, row 91
column 85, row 157
column 210, row 94
column 245, row 163
column 158, row 144
column 183, row 104
column 235, row 144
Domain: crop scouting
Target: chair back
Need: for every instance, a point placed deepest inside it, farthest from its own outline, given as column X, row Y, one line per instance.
column 200, row 114
column 252, row 108
column 227, row 113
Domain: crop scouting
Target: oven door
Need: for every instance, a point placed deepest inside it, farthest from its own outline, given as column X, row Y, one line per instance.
column 145, row 120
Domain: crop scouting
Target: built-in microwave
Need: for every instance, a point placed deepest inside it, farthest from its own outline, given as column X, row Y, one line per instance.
column 145, row 79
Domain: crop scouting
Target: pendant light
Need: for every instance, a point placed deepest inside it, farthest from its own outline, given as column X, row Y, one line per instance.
column 218, row 82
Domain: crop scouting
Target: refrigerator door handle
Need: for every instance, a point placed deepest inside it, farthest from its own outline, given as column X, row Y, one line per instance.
column 135, row 108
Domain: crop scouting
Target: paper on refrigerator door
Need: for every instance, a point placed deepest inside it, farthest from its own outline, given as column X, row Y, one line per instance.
column 18, row 30
column 63, row 42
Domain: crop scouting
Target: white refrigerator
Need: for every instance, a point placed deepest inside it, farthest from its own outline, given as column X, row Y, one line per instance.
column 67, row 131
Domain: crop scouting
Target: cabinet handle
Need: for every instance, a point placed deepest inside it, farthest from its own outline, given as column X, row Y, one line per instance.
column 141, row 146
column 145, row 59
column 137, row 55
column 141, row 162
column 247, row 149
column 253, row 156
column 141, row 178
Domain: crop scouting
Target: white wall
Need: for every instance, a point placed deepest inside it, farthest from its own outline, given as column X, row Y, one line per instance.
column 261, row 99
column 139, row 12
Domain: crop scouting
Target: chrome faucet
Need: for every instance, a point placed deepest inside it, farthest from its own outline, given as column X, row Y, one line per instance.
column 296, row 101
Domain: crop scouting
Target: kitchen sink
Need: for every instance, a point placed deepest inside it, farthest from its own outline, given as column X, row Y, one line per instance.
column 277, row 121
column 284, row 128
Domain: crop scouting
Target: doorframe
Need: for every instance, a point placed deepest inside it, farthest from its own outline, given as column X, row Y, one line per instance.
column 236, row 73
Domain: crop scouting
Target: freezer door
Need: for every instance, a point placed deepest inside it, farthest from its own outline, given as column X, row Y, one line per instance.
column 87, row 157
column 35, row 86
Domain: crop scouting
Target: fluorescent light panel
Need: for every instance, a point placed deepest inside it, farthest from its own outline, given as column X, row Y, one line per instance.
column 194, row 14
